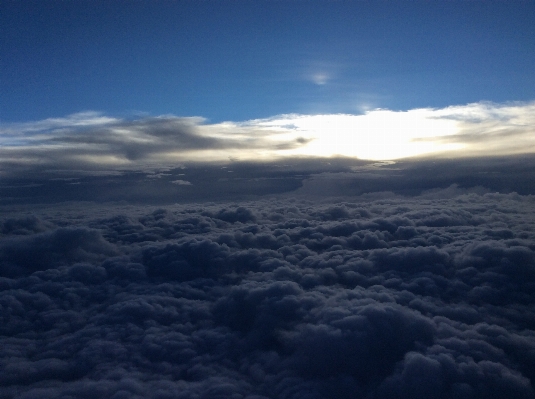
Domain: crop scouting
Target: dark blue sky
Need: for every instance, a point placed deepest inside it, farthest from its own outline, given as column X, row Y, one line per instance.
column 239, row 60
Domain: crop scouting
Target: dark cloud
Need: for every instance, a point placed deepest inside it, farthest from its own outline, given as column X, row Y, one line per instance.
column 138, row 139
column 241, row 214
column 27, row 224
column 20, row 255
column 89, row 142
column 418, row 296
column 314, row 178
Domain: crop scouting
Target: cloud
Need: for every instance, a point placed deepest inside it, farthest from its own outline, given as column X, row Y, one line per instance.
column 26, row 254
column 490, row 129
column 473, row 129
column 91, row 140
column 112, row 142
column 181, row 182
column 282, row 297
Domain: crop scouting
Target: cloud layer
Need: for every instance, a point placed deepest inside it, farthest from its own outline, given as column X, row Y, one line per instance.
column 91, row 140
column 430, row 296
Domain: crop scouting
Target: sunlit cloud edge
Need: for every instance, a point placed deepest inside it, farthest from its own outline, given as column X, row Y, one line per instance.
column 96, row 140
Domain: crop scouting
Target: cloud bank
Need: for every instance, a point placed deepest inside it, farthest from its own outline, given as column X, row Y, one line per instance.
column 91, row 140
column 393, row 297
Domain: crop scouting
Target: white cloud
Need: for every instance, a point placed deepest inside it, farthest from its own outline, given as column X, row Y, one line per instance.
column 93, row 140
column 473, row 129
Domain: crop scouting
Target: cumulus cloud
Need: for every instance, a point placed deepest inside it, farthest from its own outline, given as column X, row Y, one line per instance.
column 92, row 140
column 284, row 297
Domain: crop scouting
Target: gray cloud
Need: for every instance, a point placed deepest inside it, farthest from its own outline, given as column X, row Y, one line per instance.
column 181, row 182
column 112, row 144
column 139, row 139
column 281, row 297
column 91, row 141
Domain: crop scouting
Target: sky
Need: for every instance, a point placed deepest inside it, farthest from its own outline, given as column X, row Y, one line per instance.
column 248, row 63
column 267, row 199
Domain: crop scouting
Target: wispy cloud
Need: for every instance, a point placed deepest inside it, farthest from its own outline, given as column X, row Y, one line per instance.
column 94, row 140
column 491, row 129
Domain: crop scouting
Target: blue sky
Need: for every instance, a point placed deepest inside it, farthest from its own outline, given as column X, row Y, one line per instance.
column 92, row 81
column 241, row 60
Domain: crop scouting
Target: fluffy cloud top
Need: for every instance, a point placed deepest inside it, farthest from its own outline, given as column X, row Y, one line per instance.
column 90, row 139
column 429, row 296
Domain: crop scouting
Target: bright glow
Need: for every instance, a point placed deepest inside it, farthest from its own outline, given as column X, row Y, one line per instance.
column 473, row 129
column 376, row 135
column 320, row 78
column 90, row 138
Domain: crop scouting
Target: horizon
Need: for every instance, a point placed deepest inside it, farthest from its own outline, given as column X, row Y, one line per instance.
column 376, row 81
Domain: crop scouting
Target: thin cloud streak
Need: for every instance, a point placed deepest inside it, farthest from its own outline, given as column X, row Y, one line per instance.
column 90, row 139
